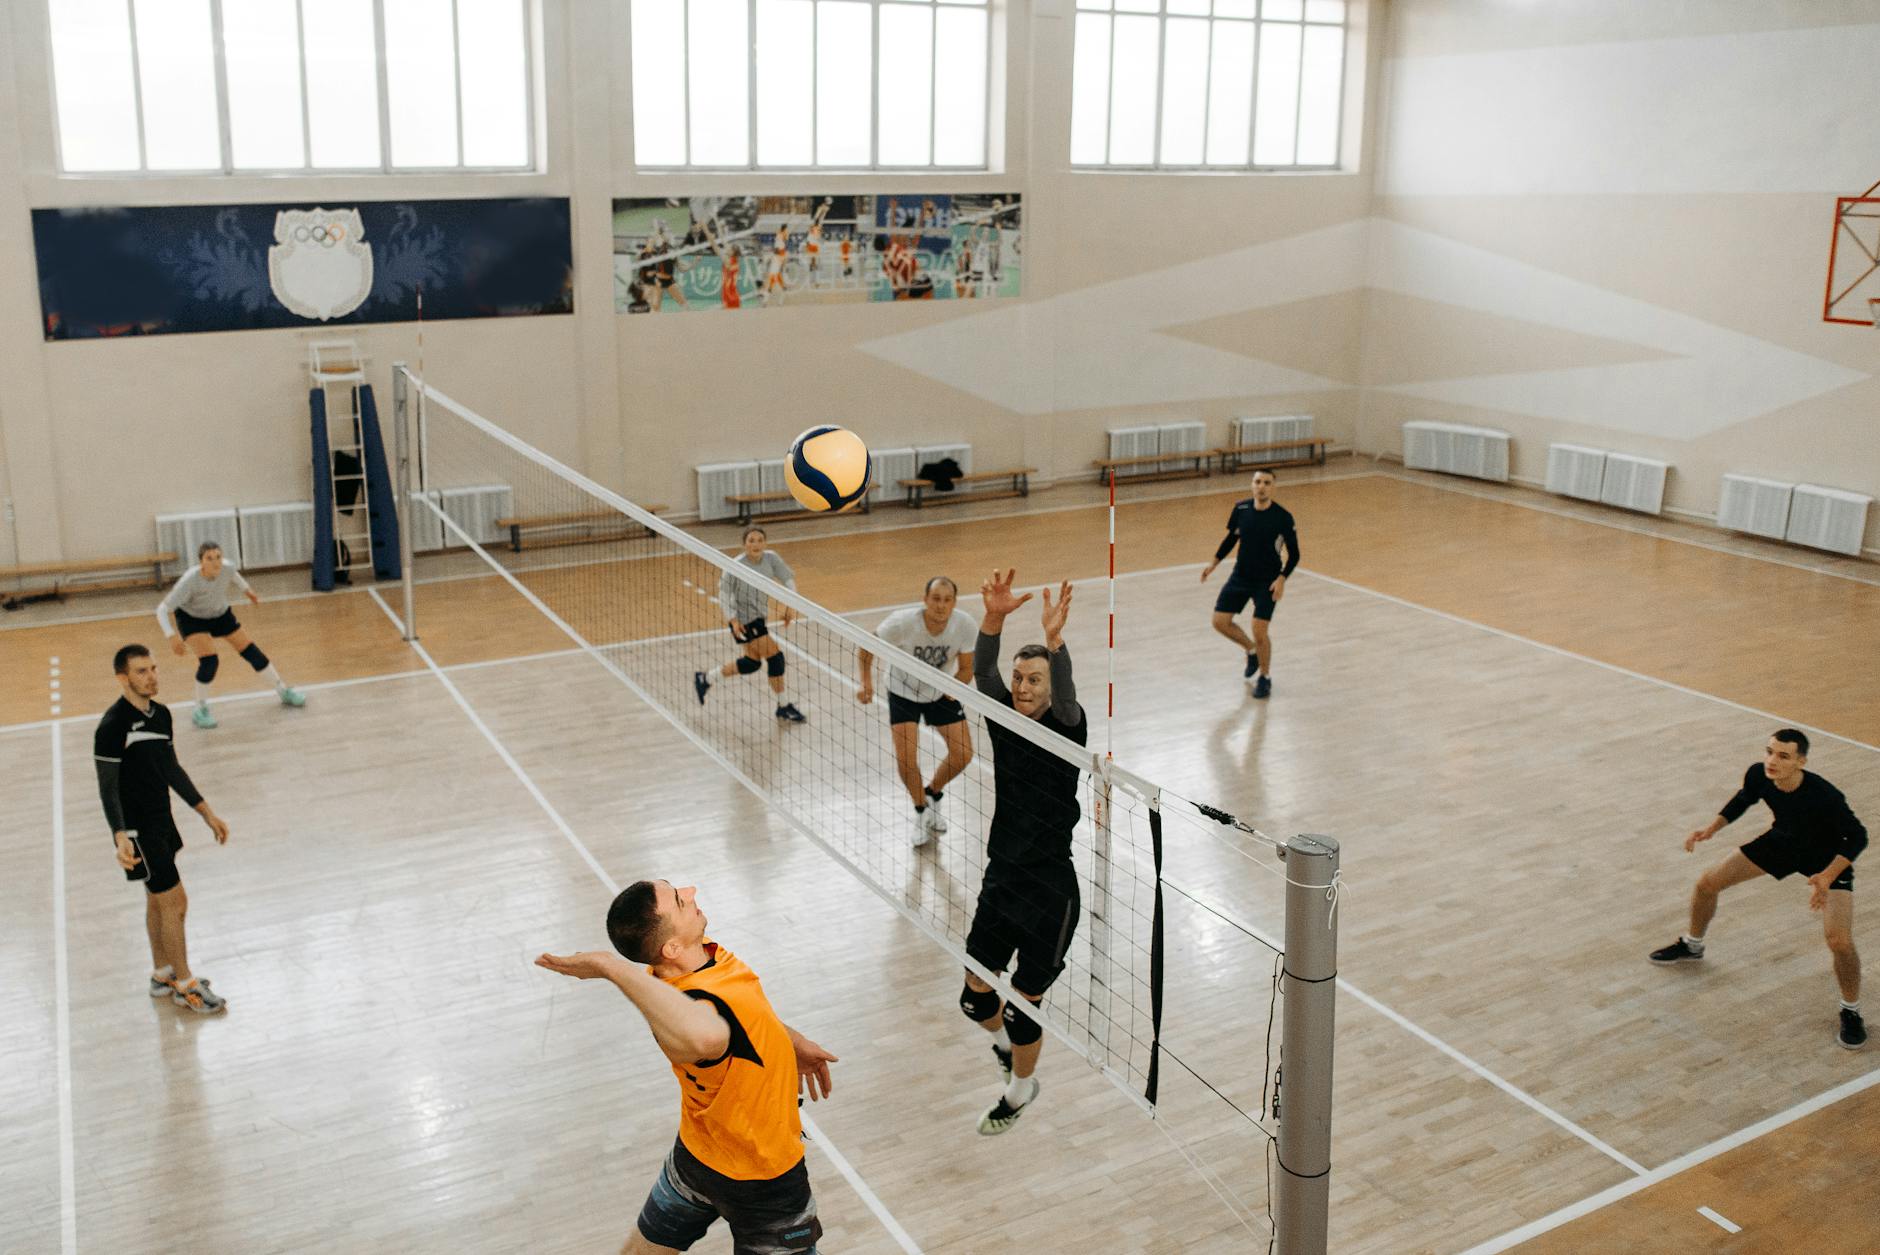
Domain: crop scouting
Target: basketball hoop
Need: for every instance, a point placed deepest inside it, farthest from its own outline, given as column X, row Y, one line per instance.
column 1854, row 261
column 1873, row 310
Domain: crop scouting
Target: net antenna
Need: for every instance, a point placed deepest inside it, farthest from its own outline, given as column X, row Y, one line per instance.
column 1854, row 261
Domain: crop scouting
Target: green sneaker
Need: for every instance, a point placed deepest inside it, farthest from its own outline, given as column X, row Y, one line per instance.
column 202, row 718
column 293, row 697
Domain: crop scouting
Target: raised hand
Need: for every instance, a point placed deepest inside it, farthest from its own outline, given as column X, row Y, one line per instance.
column 1055, row 613
column 587, row 965
column 996, row 592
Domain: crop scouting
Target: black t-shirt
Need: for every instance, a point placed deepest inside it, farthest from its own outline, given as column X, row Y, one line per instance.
column 1259, row 533
column 135, row 745
column 1035, row 791
column 1816, row 813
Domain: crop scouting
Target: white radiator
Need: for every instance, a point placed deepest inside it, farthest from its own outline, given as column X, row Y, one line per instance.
column 1456, row 449
column 1757, row 506
column 961, row 453
column 1271, row 430
column 1189, row 436
column 1135, row 442
column 276, row 535
column 720, row 480
column 182, row 533
column 888, row 467
column 1828, row 518
column 1634, row 483
column 427, row 530
column 1573, row 470
column 475, row 510
column 770, row 476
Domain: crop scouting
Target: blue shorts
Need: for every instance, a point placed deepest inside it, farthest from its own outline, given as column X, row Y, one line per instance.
column 773, row 1217
column 1237, row 592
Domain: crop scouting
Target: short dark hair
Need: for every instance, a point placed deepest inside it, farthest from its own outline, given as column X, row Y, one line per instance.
column 633, row 922
column 1031, row 651
column 121, row 661
column 940, row 579
column 1794, row 737
column 746, row 533
column 1267, row 471
column 206, row 548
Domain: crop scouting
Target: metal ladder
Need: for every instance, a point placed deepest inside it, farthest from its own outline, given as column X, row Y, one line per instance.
column 338, row 364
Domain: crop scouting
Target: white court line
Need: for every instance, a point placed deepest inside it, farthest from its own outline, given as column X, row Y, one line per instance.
column 1726, row 1225
column 1424, row 1035
column 1625, row 1189
column 62, row 982
column 1608, row 666
column 817, row 1137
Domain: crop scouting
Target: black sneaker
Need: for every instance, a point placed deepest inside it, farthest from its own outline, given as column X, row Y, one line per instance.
column 1004, row 1056
column 701, row 686
column 1263, row 687
column 788, row 713
column 1003, row 1115
column 1679, row 951
column 1853, row 1033
column 1253, row 665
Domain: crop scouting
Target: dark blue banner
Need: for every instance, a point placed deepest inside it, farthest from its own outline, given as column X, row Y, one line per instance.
column 184, row 268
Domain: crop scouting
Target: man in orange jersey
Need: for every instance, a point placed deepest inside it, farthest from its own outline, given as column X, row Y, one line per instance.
column 739, row 1153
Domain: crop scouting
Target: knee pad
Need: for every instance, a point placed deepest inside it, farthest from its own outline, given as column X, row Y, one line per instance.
column 774, row 663
column 205, row 668
column 979, row 1007
column 1021, row 1028
column 255, row 658
column 747, row 666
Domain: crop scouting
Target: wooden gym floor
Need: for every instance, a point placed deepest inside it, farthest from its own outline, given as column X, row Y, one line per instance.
column 1508, row 716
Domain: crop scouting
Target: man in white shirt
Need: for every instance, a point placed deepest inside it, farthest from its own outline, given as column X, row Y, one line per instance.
column 941, row 636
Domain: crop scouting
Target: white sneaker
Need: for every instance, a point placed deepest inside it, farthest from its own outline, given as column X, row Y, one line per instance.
column 936, row 822
column 923, row 831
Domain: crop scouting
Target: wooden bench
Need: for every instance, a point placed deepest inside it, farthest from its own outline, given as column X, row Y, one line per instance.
column 1232, row 456
column 593, row 526
column 1107, row 467
column 747, row 503
column 1017, row 483
column 61, row 573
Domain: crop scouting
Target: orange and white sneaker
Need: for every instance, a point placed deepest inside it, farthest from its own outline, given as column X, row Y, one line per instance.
column 162, row 983
column 198, row 997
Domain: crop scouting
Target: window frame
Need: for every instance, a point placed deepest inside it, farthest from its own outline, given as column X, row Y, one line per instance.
column 227, row 169
column 986, row 8
column 1258, row 22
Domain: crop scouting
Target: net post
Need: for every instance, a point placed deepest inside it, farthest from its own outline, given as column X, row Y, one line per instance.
column 1301, row 1200
column 401, row 451
column 1102, row 912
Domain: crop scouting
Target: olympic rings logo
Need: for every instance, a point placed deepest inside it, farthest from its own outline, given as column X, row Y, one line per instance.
column 326, row 234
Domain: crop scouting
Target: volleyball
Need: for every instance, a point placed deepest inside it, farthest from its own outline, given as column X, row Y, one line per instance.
column 828, row 468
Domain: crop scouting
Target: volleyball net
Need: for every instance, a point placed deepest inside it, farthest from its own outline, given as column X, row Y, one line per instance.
column 1148, row 956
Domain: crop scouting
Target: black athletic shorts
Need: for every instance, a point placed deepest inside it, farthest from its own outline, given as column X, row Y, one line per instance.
column 938, row 713
column 769, row 1217
column 1237, row 592
column 1031, row 910
column 222, row 625
column 156, row 844
column 752, row 630
column 1780, row 854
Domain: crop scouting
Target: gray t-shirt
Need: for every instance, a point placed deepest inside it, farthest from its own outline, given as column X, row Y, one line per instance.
column 907, row 629
column 200, row 598
column 743, row 601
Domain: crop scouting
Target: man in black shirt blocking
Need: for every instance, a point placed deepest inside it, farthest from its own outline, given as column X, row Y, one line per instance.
column 1816, row 834
column 1261, row 527
column 1028, row 902
column 137, row 768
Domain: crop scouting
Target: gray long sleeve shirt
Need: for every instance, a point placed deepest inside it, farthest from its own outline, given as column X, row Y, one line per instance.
column 200, row 598
column 744, row 601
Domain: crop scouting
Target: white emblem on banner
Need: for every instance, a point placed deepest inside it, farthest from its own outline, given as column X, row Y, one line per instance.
column 320, row 265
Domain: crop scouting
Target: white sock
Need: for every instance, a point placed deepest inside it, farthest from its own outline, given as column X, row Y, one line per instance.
column 1695, row 943
column 202, row 694
column 162, row 973
column 1019, row 1091
column 1000, row 1040
column 273, row 677
column 1853, row 1006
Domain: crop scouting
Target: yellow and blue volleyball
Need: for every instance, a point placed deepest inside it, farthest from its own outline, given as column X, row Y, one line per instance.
column 828, row 468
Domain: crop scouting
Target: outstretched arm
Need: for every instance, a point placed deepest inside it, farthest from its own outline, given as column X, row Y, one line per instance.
column 686, row 1029
column 1063, row 687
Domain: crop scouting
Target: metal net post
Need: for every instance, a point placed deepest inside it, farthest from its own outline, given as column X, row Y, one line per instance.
column 401, row 451
column 1305, row 1125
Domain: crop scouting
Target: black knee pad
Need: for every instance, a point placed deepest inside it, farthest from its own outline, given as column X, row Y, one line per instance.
column 1021, row 1028
column 205, row 668
column 256, row 659
column 774, row 663
column 747, row 666
column 978, row 1007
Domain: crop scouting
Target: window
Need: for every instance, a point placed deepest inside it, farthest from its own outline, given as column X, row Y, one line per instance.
column 804, row 84
column 229, row 86
column 1208, row 84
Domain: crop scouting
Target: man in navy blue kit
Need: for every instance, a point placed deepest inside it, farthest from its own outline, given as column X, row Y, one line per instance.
column 1816, row 834
column 1260, row 526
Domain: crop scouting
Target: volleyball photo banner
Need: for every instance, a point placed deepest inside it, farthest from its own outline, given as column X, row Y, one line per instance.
column 741, row 252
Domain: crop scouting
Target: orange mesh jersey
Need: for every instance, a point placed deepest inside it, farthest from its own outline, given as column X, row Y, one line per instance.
column 738, row 1113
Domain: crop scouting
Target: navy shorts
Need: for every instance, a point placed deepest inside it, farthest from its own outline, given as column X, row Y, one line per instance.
column 1237, row 592
column 1028, row 910
column 156, row 844
column 1780, row 855
column 752, row 630
column 223, row 624
column 773, row 1217
column 937, row 713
